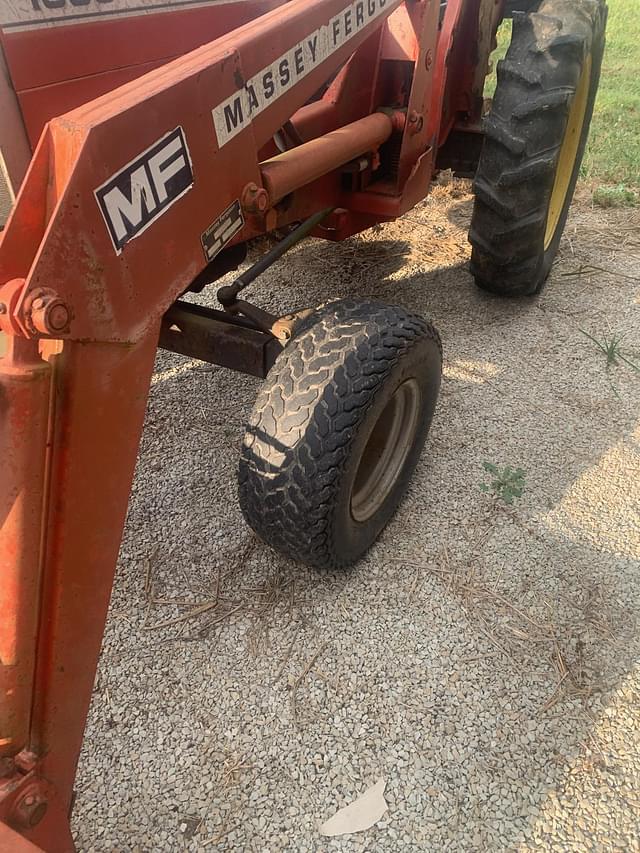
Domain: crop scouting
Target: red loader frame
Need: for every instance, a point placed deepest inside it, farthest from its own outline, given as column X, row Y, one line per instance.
column 129, row 201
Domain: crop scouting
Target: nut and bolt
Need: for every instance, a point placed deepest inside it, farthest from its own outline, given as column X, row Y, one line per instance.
column 416, row 121
column 30, row 808
column 3, row 308
column 26, row 761
column 50, row 315
column 58, row 317
column 255, row 199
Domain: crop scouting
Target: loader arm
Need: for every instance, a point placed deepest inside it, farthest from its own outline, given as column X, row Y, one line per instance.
column 126, row 201
column 106, row 233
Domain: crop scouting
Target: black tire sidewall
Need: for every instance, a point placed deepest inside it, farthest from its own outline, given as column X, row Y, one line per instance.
column 422, row 362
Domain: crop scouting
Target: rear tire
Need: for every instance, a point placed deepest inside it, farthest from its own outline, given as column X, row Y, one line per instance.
column 337, row 430
column 535, row 138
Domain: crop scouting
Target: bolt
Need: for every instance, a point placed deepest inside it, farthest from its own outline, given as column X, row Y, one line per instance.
column 3, row 308
column 58, row 317
column 428, row 59
column 255, row 199
column 26, row 761
column 416, row 120
column 49, row 314
column 30, row 808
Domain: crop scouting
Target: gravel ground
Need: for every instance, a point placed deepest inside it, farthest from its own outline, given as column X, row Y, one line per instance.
column 482, row 658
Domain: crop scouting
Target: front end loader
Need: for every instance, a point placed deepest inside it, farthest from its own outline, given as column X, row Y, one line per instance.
column 143, row 144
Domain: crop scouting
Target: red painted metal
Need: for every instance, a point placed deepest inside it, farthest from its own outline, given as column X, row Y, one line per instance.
column 351, row 95
column 82, row 300
column 25, row 381
column 97, row 427
column 79, row 62
column 415, row 29
column 13, row 842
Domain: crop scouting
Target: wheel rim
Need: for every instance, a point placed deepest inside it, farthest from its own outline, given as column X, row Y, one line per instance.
column 385, row 452
column 568, row 153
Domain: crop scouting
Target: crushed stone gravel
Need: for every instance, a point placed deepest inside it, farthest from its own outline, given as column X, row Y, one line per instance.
column 483, row 658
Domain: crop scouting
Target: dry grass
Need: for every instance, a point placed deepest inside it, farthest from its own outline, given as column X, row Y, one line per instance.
column 276, row 593
column 296, row 682
column 519, row 636
column 233, row 768
column 384, row 250
column 213, row 600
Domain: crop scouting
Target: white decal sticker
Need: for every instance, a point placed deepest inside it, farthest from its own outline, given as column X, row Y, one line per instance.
column 145, row 188
column 236, row 113
column 220, row 232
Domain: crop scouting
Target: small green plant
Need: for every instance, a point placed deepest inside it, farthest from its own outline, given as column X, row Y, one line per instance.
column 618, row 196
column 507, row 483
column 612, row 348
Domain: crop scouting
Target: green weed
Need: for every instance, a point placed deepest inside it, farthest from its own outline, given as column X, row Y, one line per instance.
column 507, row 483
column 612, row 349
column 618, row 196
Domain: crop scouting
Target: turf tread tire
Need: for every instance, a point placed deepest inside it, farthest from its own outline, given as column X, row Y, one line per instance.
column 300, row 439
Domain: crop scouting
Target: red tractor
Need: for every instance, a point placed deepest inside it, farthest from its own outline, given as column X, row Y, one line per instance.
column 143, row 143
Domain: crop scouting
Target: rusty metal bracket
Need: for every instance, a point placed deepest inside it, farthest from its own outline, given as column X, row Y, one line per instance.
column 218, row 338
column 24, row 795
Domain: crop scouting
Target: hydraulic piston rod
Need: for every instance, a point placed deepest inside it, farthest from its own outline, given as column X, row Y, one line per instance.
column 299, row 166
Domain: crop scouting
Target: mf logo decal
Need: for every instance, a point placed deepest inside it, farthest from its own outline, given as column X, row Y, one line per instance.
column 233, row 115
column 146, row 188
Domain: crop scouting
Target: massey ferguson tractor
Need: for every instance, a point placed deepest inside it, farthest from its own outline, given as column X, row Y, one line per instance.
column 143, row 144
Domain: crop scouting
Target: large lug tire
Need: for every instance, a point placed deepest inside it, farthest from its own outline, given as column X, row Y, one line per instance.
column 337, row 430
column 535, row 137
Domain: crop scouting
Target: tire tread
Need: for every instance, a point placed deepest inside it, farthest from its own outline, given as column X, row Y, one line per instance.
column 524, row 132
column 324, row 381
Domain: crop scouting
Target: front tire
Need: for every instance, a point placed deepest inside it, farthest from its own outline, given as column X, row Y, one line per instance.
column 535, row 136
column 337, row 430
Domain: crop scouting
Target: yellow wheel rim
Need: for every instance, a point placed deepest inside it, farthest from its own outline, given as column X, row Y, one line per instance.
column 568, row 153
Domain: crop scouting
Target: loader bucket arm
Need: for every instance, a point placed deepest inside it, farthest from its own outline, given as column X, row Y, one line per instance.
column 106, row 233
